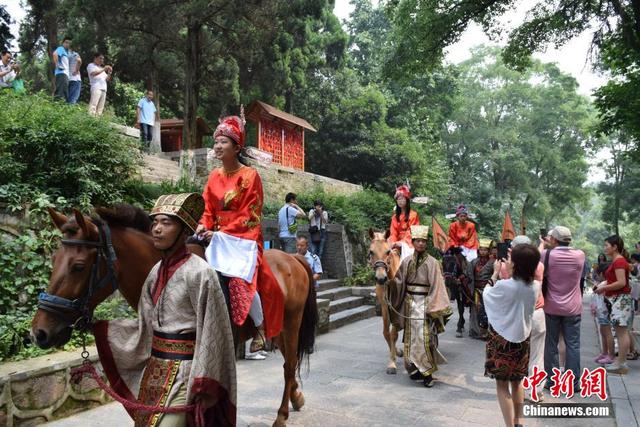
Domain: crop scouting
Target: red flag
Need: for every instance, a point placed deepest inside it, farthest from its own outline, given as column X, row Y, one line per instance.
column 508, row 232
column 440, row 238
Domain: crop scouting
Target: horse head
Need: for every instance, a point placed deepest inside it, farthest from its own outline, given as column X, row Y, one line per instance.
column 380, row 255
column 85, row 269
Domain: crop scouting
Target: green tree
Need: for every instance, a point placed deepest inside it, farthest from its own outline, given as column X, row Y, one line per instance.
column 5, row 33
column 621, row 190
column 517, row 139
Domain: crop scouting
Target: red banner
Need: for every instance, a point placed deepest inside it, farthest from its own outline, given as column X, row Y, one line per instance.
column 440, row 238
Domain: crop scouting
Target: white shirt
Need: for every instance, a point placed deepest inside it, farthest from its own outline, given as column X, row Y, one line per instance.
column 98, row 81
column 7, row 79
column 509, row 305
column 73, row 58
column 316, row 220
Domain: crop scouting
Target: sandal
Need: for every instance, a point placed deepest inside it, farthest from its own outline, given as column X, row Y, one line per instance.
column 633, row 355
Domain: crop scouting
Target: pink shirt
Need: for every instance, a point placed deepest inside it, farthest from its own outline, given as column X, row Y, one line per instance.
column 565, row 270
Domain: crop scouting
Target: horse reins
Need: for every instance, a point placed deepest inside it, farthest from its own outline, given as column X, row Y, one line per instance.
column 106, row 254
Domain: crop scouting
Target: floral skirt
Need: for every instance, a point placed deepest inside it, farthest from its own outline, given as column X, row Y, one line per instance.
column 506, row 360
column 621, row 310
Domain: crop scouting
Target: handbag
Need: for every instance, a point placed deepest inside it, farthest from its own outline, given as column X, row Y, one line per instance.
column 293, row 227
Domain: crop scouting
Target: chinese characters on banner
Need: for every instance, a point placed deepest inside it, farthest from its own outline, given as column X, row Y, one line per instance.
column 592, row 383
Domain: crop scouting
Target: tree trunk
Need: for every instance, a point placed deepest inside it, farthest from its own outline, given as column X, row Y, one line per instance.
column 192, row 86
column 50, row 18
column 616, row 210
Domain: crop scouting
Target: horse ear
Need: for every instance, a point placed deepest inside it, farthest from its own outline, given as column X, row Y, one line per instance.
column 387, row 233
column 57, row 217
column 81, row 222
column 372, row 233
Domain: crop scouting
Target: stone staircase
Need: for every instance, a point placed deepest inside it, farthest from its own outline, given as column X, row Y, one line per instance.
column 157, row 169
column 345, row 306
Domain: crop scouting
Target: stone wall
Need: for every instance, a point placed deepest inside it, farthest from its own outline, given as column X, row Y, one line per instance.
column 277, row 180
column 39, row 390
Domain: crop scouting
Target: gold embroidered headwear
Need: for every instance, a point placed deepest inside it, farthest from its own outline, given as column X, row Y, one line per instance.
column 419, row 232
column 188, row 207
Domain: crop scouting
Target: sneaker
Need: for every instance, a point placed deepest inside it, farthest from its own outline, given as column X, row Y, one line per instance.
column 606, row 360
column 459, row 333
column 254, row 356
column 614, row 368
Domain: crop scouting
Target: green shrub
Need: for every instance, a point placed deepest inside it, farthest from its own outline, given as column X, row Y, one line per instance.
column 60, row 150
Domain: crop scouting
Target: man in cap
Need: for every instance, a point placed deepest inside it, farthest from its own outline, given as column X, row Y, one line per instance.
column 562, row 300
column 479, row 271
column 180, row 349
column 420, row 294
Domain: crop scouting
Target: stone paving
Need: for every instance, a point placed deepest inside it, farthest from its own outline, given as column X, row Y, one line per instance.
column 347, row 386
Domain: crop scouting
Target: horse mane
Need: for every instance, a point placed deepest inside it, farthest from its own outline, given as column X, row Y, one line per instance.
column 124, row 215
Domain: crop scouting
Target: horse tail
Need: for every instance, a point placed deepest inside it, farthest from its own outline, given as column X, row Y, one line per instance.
column 307, row 332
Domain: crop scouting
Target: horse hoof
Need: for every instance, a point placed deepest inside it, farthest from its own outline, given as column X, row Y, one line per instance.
column 297, row 401
column 392, row 371
column 280, row 422
column 399, row 352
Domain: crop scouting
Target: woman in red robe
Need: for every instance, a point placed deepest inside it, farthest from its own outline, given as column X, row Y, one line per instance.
column 401, row 221
column 232, row 223
column 462, row 234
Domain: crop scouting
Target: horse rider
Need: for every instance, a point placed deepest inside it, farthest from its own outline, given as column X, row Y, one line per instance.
column 179, row 351
column 462, row 234
column 402, row 220
column 232, row 224
column 421, row 297
column 479, row 271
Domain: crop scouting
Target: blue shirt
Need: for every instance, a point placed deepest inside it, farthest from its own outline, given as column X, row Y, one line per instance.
column 286, row 217
column 315, row 264
column 147, row 111
column 63, row 61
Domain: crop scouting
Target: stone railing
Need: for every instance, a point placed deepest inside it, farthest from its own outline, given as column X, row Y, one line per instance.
column 38, row 390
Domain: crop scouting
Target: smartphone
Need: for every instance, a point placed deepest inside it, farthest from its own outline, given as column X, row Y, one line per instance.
column 503, row 250
column 543, row 232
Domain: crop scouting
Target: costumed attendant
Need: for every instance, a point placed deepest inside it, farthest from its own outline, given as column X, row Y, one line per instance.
column 509, row 305
column 462, row 234
column 479, row 271
column 232, row 224
column 402, row 221
column 421, row 296
column 179, row 351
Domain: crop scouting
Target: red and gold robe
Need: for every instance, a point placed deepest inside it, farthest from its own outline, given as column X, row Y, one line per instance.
column 463, row 235
column 233, row 210
column 400, row 230
column 179, row 347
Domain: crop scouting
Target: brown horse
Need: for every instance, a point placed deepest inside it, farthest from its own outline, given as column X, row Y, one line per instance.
column 84, row 244
column 385, row 263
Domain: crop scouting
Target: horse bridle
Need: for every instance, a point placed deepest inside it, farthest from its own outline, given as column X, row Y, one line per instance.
column 60, row 306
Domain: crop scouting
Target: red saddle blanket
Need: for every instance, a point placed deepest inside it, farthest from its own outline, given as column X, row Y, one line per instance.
column 241, row 294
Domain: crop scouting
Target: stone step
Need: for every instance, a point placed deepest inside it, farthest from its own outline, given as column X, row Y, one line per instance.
column 351, row 315
column 326, row 284
column 335, row 293
column 158, row 169
column 344, row 304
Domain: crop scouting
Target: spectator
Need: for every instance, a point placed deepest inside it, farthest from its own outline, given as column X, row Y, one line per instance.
column 601, row 311
column 586, row 270
column 302, row 246
column 9, row 70
column 638, row 248
column 635, row 294
column 318, row 220
column 61, row 64
column 562, row 301
column 510, row 304
column 617, row 291
column 538, row 326
column 597, row 271
column 146, row 116
column 99, row 74
column 288, row 223
column 75, row 80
